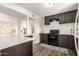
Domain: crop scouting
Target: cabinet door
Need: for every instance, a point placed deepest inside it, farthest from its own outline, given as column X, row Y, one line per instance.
column 62, row 18
column 24, row 49
column 20, row 50
column 67, row 41
column 57, row 16
column 44, row 38
column 74, row 15
column 62, row 41
column 69, row 17
column 70, row 44
column 46, row 21
column 7, row 52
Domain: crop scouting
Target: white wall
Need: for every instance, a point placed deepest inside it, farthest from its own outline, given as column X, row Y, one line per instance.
column 37, row 29
column 7, row 40
column 22, row 26
column 7, row 18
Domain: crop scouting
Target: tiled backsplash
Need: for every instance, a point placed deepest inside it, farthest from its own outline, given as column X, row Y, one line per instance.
column 67, row 28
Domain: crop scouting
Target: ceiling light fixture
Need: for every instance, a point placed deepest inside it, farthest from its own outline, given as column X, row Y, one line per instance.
column 50, row 4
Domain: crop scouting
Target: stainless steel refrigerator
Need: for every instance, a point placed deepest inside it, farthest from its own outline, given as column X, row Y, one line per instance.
column 77, row 32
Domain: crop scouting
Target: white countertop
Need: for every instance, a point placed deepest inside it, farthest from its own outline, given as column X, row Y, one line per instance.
column 66, row 34
column 7, row 44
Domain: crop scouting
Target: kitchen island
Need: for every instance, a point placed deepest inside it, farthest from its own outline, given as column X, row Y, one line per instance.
column 21, row 48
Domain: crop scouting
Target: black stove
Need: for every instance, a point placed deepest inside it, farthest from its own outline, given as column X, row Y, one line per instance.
column 53, row 37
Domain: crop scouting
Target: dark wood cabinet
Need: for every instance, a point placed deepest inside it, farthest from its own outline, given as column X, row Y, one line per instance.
column 24, row 49
column 44, row 38
column 66, row 17
column 70, row 16
column 7, row 52
column 47, row 21
column 67, row 41
column 62, row 41
column 62, row 18
column 70, row 43
column 74, row 15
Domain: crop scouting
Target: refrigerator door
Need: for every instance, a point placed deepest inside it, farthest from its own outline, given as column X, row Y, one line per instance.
column 77, row 33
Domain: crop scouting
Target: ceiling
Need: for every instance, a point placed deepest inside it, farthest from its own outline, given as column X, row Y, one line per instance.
column 42, row 9
column 11, row 12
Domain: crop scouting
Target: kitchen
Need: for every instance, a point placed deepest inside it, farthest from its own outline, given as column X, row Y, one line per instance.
column 32, row 35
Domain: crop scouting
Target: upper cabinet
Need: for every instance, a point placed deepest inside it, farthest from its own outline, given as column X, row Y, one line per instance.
column 62, row 18
column 69, row 17
column 66, row 17
column 74, row 15
column 47, row 21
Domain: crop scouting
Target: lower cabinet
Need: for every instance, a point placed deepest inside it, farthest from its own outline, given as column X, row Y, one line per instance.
column 62, row 41
column 44, row 38
column 66, row 41
column 24, row 49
